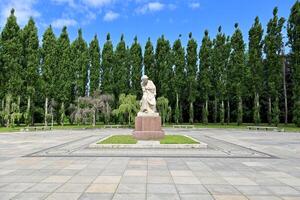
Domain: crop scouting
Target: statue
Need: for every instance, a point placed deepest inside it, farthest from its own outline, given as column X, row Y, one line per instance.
column 148, row 102
column 148, row 122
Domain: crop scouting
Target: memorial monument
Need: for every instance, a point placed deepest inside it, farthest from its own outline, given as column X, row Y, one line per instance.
column 148, row 121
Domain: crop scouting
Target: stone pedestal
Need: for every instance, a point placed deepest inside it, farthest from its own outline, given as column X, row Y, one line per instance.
column 148, row 128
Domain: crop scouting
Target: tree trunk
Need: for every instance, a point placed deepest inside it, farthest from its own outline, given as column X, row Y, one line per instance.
column 270, row 111
column 222, row 113
column 284, row 91
column 191, row 113
column 94, row 118
column 28, row 110
column 215, row 116
column 62, row 117
column 177, row 108
column 46, row 111
column 228, row 112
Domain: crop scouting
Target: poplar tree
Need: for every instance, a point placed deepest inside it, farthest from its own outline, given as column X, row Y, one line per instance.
column 205, row 85
column 238, row 71
column 294, row 43
column 256, row 66
column 218, row 73
column 106, row 66
column 31, row 59
column 48, row 68
column 79, row 51
column 273, row 47
column 191, row 63
column 163, row 66
column 136, row 63
column 178, row 55
column 149, row 61
column 120, row 69
column 12, row 57
column 64, row 65
column 94, row 63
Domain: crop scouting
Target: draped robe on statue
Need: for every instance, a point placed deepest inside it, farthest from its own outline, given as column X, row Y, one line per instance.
column 148, row 102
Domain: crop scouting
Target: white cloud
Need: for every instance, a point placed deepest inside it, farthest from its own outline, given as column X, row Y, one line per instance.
column 59, row 23
column 150, row 7
column 111, row 16
column 97, row 3
column 24, row 9
column 194, row 5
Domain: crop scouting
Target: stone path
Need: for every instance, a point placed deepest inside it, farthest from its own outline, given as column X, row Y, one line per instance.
column 238, row 165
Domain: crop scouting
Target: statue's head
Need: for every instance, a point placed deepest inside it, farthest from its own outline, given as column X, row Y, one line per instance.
column 144, row 79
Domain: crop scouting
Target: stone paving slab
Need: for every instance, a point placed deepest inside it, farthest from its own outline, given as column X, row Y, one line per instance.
column 237, row 165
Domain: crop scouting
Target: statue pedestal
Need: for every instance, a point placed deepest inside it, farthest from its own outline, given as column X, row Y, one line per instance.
column 148, row 127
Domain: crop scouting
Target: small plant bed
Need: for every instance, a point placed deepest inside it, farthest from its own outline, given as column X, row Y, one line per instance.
column 119, row 139
column 177, row 139
column 129, row 139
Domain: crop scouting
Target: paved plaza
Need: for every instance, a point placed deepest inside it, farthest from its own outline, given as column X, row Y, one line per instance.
column 237, row 165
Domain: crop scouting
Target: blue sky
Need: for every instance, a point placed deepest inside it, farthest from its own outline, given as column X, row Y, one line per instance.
column 144, row 18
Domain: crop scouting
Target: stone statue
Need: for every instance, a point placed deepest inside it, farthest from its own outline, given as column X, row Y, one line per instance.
column 148, row 102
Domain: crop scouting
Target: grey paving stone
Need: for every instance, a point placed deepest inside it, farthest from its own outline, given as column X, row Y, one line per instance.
column 191, row 189
column 30, row 196
column 72, row 187
column 63, row 196
column 131, row 188
column 95, row 196
column 195, row 197
column 162, row 197
column 44, row 187
column 129, row 196
column 283, row 190
column 161, row 188
column 222, row 190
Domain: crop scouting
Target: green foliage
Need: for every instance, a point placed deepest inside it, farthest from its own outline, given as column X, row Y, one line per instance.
column 12, row 56
column 119, row 139
column 128, row 107
column 136, row 63
column 163, row 107
column 272, row 48
column 191, row 68
column 177, row 139
column 293, row 29
column 94, row 62
column 80, row 62
column 107, row 66
column 256, row 66
column 149, row 61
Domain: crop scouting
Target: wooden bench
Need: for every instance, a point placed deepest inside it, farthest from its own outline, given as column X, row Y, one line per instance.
column 37, row 128
column 116, row 126
column 183, row 126
column 266, row 128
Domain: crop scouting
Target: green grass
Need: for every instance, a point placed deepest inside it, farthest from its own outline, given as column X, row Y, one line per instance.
column 119, row 139
column 177, row 139
column 129, row 139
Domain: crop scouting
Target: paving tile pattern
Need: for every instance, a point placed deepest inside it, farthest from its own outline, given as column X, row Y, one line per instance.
column 239, row 165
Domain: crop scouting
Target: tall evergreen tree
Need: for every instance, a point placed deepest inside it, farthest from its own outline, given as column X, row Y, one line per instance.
column 12, row 56
column 191, row 63
column 205, row 74
column 136, row 63
column 238, row 71
column 48, row 67
column 273, row 47
column 256, row 66
column 94, row 63
column 30, row 63
column 163, row 66
column 64, row 80
column 79, row 52
column 149, row 61
column 121, row 69
column 294, row 42
column 106, row 66
column 178, row 55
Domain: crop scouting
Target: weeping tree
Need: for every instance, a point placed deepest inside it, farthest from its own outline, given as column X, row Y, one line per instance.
column 128, row 107
column 163, row 108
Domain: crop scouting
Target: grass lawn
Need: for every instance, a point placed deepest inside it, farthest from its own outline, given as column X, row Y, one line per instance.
column 129, row 139
column 119, row 139
column 177, row 139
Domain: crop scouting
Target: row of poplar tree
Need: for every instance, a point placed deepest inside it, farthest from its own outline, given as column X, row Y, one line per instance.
column 222, row 81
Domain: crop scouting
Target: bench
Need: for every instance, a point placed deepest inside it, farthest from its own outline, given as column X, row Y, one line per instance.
column 37, row 128
column 266, row 128
column 183, row 126
column 115, row 126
